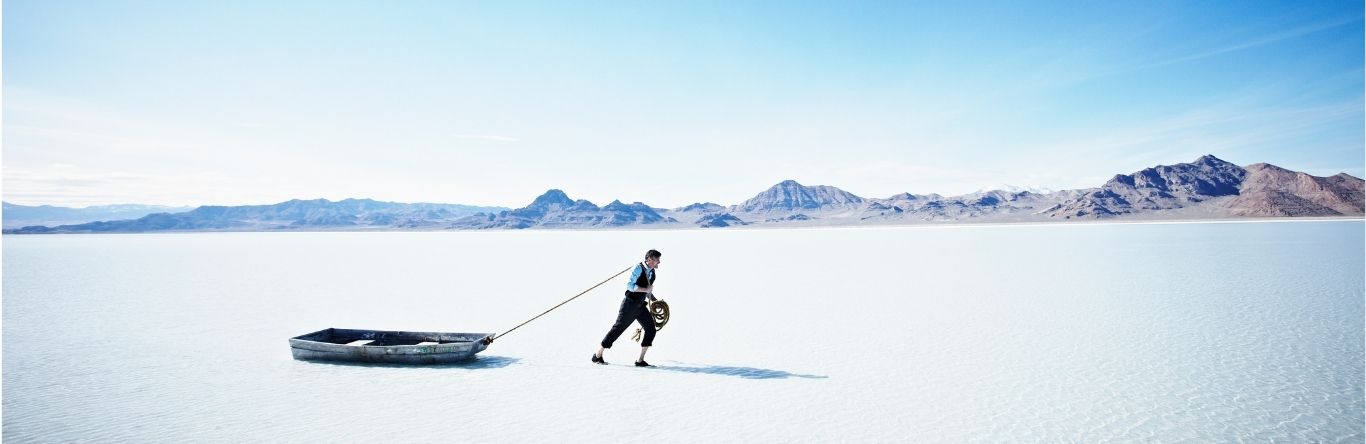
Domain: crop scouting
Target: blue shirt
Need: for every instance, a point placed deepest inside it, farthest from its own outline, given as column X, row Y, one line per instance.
column 635, row 275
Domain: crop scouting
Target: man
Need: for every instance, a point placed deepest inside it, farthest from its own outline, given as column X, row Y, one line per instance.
column 639, row 288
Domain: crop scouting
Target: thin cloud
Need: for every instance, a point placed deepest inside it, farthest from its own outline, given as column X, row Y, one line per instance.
column 1077, row 63
column 486, row 138
column 1273, row 38
column 1232, row 131
column 84, row 187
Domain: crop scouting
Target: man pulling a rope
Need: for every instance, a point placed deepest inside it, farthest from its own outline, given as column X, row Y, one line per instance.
column 639, row 288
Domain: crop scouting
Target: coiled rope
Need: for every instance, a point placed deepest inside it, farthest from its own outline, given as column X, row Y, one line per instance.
column 489, row 339
column 660, row 311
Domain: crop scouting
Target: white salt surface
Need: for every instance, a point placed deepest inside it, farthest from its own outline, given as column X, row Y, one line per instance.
column 1089, row 333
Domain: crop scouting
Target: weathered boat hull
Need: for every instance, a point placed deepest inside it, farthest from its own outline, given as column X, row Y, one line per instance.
column 387, row 347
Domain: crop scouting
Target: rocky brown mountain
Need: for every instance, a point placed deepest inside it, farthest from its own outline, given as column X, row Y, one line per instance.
column 1269, row 190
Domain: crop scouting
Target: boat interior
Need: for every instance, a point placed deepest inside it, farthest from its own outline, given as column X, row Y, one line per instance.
column 386, row 338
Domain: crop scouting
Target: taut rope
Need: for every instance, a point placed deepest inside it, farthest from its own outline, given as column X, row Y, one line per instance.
column 489, row 339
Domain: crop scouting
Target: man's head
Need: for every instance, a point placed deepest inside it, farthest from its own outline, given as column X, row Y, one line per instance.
column 652, row 258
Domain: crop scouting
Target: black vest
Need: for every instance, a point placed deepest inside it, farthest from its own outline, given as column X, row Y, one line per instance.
column 646, row 278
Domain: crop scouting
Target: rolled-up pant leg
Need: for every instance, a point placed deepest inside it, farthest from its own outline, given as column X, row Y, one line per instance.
column 630, row 310
column 647, row 323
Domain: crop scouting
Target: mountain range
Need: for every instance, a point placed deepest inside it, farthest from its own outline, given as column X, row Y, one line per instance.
column 291, row 215
column 16, row 216
column 1204, row 189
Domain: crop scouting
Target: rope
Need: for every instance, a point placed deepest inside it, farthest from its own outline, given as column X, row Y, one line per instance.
column 489, row 339
column 658, row 310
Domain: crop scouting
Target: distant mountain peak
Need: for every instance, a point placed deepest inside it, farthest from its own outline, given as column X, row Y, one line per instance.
column 719, row 220
column 909, row 196
column 555, row 209
column 1267, row 166
column 701, row 207
column 1016, row 189
column 552, row 197
column 789, row 195
column 1209, row 159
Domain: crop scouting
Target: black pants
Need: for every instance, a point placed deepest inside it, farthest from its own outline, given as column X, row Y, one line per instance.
column 633, row 308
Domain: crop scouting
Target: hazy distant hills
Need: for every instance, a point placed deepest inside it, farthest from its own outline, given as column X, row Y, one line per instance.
column 1206, row 188
column 293, row 214
column 16, row 216
column 554, row 209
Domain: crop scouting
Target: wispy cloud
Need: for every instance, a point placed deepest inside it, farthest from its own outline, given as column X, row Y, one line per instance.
column 73, row 186
column 1244, row 129
column 1235, row 131
column 486, row 138
column 1267, row 40
column 1049, row 67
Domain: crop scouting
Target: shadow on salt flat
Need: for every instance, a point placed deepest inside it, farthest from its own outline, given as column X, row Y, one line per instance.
column 743, row 372
column 478, row 363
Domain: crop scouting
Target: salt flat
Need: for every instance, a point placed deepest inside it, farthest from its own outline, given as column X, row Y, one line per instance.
column 1096, row 332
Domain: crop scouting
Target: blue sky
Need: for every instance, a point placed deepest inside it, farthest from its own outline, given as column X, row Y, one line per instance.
column 668, row 103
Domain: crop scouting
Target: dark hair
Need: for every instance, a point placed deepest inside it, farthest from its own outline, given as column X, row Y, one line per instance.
column 653, row 254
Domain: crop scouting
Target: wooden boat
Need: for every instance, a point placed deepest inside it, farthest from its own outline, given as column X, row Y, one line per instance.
column 387, row 347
